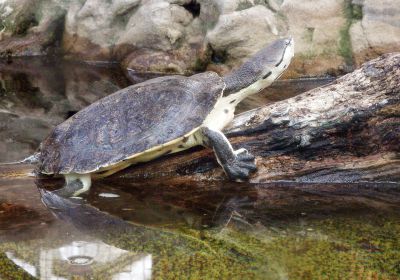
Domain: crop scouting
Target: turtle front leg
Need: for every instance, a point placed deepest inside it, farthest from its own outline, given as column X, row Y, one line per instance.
column 75, row 184
column 237, row 164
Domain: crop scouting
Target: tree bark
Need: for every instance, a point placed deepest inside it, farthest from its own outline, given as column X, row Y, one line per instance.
column 346, row 131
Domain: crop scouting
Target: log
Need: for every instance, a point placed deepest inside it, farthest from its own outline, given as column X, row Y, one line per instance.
column 346, row 131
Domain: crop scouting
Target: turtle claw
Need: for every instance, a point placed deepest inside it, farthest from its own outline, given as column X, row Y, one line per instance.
column 244, row 155
column 240, row 167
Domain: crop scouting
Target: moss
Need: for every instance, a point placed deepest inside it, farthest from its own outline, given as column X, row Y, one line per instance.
column 246, row 4
column 9, row 270
column 345, row 48
column 202, row 62
column 352, row 13
column 309, row 34
column 365, row 246
column 6, row 25
column 343, row 248
column 22, row 27
column 357, row 13
column 307, row 55
column 243, row 5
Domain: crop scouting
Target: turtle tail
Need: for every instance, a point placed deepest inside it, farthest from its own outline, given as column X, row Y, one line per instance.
column 32, row 159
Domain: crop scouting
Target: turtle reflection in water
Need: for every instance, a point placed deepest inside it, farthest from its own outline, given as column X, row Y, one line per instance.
column 157, row 117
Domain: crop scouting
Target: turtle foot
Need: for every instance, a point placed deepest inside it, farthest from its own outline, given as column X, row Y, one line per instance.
column 73, row 188
column 240, row 166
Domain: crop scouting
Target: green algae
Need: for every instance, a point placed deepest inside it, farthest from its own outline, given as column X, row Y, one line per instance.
column 340, row 247
column 352, row 12
column 9, row 270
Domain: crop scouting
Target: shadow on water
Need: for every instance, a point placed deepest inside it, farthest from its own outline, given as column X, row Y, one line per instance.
column 198, row 230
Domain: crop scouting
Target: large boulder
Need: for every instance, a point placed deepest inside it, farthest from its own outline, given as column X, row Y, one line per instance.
column 316, row 27
column 92, row 27
column 378, row 30
column 30, row 27
column 152, row 35
column 240, row 34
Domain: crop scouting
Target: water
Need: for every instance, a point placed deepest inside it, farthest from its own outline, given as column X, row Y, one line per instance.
column 36, row 94
column 198, row 230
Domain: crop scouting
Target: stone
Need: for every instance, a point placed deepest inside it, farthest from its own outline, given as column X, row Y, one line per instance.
column 316, row 27
column 378, row 31
column 29, row 28
column 92, row 28
column 231, row 40
column 157, row 25
column 153, row 35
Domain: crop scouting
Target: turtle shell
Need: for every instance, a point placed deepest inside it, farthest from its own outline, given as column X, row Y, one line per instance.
column 130, row 121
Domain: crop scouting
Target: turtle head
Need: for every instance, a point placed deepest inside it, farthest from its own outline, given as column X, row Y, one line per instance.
column 274, row 59
column 261, row 69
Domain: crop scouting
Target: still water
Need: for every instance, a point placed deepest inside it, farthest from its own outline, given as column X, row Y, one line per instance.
column 201, row 230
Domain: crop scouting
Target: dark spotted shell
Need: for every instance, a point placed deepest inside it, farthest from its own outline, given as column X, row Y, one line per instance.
column 130, row 121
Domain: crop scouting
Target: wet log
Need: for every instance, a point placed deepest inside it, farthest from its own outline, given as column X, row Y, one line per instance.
column 347, row 131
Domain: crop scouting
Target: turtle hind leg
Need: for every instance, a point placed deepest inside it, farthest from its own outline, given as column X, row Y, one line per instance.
column 237, row 164
column 75, row 184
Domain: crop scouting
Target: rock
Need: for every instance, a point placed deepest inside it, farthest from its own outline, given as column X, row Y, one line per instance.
column 378, row 31
column 157, row 25
column 92, row 28
column 231, row 40
column 184, row 60
column 153, row 36
column 185, row 36
column 316, row 27
column 30, row 28
column 226, row 7
column 164, row 38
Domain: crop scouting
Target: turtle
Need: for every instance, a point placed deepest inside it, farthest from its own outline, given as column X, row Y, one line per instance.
column 160, row 116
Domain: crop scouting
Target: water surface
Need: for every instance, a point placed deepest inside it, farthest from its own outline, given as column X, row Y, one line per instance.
column 228, row 231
